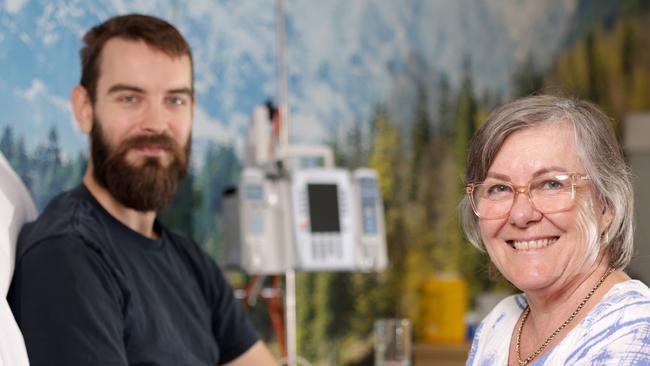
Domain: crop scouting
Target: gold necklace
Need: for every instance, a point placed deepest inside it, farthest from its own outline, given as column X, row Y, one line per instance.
column 559, row 329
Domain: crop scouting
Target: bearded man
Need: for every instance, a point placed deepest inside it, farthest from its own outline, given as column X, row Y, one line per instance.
column 99, row 280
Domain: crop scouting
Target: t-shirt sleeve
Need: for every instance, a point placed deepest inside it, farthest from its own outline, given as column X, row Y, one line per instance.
column 230, row 324
column 68, row 305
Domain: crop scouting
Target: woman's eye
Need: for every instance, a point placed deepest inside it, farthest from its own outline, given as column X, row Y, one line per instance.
column 551, row 184
column 497, row 189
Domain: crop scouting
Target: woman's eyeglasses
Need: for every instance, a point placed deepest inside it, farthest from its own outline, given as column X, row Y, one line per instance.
column 493, row 198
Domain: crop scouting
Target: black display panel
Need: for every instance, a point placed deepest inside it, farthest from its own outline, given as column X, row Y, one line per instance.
column 323, row 208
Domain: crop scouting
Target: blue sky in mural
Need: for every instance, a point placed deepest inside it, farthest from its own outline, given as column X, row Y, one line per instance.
column 343, row 56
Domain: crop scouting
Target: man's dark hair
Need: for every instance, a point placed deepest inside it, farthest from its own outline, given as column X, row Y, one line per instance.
column 155, row 32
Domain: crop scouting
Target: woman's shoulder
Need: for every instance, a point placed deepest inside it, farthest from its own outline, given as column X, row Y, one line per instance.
column 512, row 305
column 631, row 297
column 492, row 338
column 630, row 289
column 503, row 316
column 625, row 304
column 618, row 328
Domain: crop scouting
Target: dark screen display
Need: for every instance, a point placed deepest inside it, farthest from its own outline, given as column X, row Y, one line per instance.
column 323, row 208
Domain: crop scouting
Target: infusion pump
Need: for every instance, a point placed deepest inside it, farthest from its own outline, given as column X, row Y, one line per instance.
column 312, row 219
column 253, row 225
column 323, row 215
column 293, row 209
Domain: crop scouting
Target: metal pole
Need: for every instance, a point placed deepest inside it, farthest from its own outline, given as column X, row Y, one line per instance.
column 290, row 276
column 290, row 313
column 282, row 75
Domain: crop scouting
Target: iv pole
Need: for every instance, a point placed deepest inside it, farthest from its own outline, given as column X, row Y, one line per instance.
column 290, row 275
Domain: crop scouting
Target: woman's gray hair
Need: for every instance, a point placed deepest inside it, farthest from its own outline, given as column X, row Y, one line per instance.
column 598, row 150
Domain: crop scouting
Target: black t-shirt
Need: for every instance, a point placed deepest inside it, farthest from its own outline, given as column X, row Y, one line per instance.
column 88, row 290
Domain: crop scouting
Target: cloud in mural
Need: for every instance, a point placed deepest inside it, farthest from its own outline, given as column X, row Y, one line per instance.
column 209, row 128
column 14, row 6
column 35, row 110
column 37, row 93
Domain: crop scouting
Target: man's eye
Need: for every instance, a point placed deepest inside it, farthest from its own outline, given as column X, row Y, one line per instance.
column 176, row 100
column 128, row 98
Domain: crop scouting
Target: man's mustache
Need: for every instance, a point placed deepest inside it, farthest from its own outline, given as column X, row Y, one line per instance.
column 159, row 141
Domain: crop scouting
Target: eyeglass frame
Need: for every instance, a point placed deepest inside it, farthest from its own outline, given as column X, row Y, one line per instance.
column 575, row 178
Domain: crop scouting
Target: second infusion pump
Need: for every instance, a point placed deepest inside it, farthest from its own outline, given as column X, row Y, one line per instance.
column 323, row 217
column 319, row 219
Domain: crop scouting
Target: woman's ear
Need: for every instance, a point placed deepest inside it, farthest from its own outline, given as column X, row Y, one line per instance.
column 606, row 218
column 82, row 107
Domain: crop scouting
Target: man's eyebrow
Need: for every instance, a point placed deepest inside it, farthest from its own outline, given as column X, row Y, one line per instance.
column 187, row 91
column 124, row 87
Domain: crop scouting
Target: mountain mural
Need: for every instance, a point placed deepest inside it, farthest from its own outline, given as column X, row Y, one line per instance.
column 398, row 86
column 342, row 57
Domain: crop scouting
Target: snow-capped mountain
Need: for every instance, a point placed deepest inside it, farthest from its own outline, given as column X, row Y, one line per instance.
column 342, row 56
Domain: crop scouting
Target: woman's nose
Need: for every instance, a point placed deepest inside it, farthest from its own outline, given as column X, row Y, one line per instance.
column 523, row 211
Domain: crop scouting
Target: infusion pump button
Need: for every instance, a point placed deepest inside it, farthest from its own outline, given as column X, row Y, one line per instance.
column 327, row 246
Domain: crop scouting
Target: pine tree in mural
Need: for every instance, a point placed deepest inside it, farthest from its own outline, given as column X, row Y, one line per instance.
column 527, row 79
column 44, row 171
column 7, row 142
column 221, row 169
column 420, row 137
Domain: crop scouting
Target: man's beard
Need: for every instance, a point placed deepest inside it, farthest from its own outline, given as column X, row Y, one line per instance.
column 149, row 186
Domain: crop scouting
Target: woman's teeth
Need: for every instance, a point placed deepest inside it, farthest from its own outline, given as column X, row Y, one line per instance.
column 532, row 244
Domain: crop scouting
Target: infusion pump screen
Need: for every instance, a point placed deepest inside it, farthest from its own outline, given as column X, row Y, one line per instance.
column 323, row 208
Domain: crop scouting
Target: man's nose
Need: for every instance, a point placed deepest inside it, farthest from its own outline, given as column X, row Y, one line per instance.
column 155, row 119
column 523, row 211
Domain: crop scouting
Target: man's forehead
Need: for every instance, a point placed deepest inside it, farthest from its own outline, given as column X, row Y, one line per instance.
column 136, row 62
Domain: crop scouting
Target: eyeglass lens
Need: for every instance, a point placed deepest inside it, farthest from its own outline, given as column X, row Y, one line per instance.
column 494, row 199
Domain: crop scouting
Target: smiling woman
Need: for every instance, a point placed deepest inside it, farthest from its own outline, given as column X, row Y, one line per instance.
column 549, row 198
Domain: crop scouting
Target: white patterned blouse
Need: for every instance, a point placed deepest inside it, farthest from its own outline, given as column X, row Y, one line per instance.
column 615, row 332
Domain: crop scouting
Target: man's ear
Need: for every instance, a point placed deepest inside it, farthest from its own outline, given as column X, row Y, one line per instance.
column 82, row 108
column 193, row 105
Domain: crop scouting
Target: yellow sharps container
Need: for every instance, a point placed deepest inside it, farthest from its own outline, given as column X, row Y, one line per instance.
column 443, row 303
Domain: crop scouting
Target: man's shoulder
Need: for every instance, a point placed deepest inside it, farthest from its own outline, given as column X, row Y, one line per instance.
column 184, row 244
column 176, row 236
column 69, row 214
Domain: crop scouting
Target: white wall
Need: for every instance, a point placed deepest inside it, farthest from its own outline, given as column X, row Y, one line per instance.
column 637, row 149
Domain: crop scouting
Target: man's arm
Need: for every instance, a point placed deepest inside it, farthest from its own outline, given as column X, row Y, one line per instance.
column 68, row 305
column 259, row 354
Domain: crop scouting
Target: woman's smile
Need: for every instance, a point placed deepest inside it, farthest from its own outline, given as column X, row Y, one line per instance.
column 531, row 244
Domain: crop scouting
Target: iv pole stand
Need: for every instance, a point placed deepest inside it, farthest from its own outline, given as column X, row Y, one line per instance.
column 290, row 275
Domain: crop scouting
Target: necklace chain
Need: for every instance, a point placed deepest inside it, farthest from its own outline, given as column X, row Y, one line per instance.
column 559, row 329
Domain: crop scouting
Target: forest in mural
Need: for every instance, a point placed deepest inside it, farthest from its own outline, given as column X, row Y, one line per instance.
column 419, row 150
column 195, row 210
